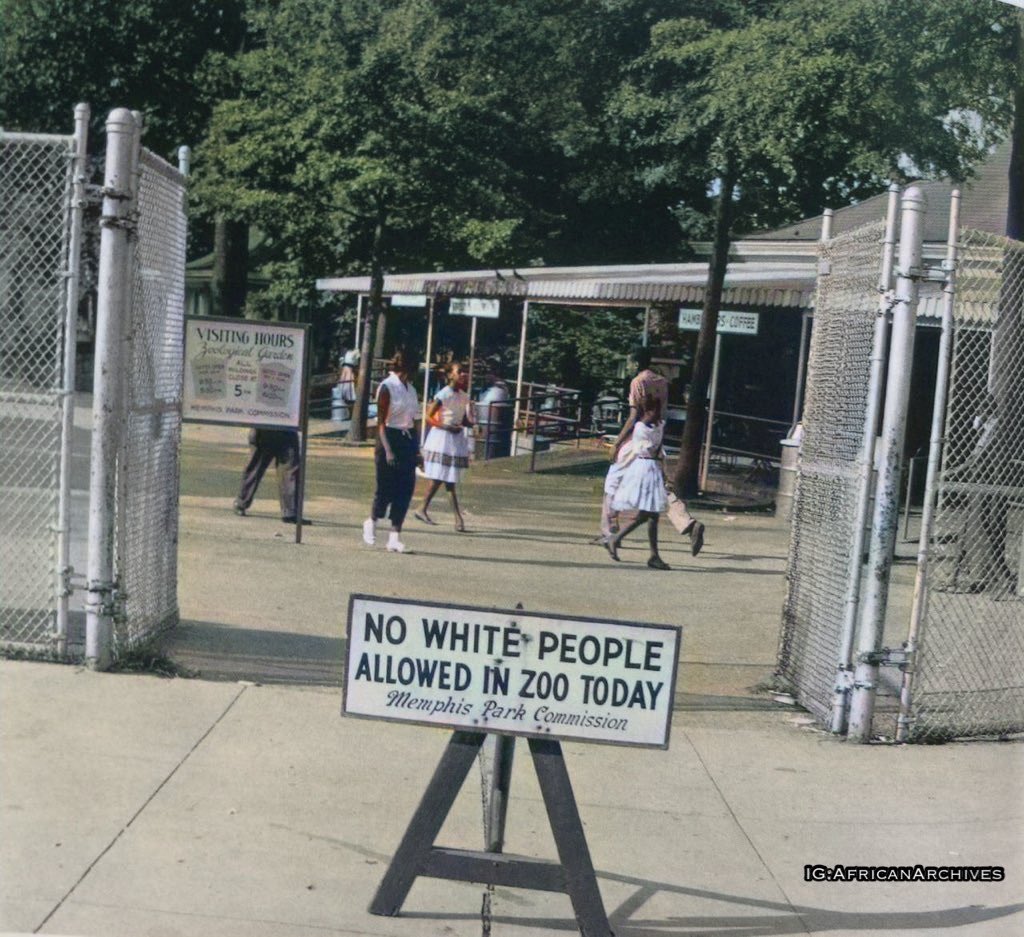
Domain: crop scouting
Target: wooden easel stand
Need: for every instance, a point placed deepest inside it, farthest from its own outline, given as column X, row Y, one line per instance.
column 417, row 855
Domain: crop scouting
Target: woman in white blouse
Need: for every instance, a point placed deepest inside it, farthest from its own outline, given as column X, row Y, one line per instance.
column 397, row 450
column 446, row 448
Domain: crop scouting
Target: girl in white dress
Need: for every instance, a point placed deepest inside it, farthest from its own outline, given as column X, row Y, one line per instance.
column 642, row 488
column 446, row 448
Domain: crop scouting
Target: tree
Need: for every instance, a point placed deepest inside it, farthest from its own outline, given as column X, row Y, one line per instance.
column 781, row 107
column 415, row 134
column 163, row 57
column 169, row 59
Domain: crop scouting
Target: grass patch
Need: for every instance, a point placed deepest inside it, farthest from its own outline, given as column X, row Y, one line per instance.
column 35, row 654
column 149, row 661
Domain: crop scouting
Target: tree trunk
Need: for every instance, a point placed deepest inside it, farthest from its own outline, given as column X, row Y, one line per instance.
column 687, row 471
column 372, row 325
column 1015, row 202
column 229, row 283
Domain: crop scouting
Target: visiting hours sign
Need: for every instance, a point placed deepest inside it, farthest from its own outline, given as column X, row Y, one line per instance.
column 511, row 672
column 244, row 372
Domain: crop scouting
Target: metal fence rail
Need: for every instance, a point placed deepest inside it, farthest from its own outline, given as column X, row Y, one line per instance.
column 147, row 510
column 35, row 197
column 970, row 666
column 826, row 510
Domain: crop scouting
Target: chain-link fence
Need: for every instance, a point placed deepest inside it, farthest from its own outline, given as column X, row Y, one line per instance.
column 42, row 203
column 822, row 568
column 35, row 198
column 147, row 510
column 970, row 666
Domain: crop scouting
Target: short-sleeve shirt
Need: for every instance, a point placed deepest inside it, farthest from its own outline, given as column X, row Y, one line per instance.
column 404, row 407
column 453, row 405
column 648, row 382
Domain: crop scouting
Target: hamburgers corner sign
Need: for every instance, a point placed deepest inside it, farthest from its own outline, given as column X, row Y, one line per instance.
column 510, row 672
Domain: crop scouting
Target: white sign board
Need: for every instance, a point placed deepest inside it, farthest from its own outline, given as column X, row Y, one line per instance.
column 488, row 670
column 409, row 299
column 244, row 373
column 729, row 323
column 480, row 308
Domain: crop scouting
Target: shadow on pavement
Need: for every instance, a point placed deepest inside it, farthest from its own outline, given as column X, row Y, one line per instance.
column 782, row 918
column 225, row 652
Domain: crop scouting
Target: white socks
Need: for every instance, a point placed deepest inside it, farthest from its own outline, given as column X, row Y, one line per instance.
column 370, row 537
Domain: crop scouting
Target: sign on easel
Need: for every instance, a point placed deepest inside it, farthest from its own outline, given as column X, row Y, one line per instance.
column 514, row 673
column 509, row 673
column 241, row 372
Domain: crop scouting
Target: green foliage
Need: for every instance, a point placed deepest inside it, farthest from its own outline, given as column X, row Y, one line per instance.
column 432, row 134
column 472, row 134
column 810, row 102
column 581, row 348
column 166, row 58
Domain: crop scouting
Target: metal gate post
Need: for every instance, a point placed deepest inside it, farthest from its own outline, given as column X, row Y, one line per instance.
column 426, row 369
column 111, row 309
column 74, row 268
column 184, row 160
column 705, row 461
column 865, row 469
column 920, row 606
column 885, row 517
column 519, row 380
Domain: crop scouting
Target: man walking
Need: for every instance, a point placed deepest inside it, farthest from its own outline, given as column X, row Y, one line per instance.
column 647, row 382
column 280, row 446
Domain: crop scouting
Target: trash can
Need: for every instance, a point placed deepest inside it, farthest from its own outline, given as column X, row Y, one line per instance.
column 787, row 478
column 493, row 436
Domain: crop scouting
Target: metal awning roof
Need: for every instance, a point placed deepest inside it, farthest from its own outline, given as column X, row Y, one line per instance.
column 758, row 283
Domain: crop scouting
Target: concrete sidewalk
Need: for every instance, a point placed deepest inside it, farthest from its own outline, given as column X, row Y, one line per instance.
column 134, row 805
column 243, row 803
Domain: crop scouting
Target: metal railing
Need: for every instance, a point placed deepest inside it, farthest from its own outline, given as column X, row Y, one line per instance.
column 544, row 419
column 736, row 436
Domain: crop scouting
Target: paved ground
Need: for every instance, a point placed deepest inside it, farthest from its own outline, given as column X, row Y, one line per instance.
column 241, row 802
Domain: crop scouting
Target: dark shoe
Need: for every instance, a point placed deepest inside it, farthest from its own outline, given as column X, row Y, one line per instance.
column 239, row 510
column 291, row 520
column 696, row 538
column 656, row 562
column 424, row 517
column 612, row 546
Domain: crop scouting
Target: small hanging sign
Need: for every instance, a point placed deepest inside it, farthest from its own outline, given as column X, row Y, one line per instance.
column 729, row 322
column 478, row 308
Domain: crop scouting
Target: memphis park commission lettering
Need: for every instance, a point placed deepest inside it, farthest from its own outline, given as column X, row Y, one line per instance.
column 511, row 672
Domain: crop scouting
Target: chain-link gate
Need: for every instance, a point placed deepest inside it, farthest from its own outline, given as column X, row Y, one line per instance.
column 146, row 560
column 37, row 180
column 822, row 568
column 969, row 678
column 964, row 657
column 42, row 197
